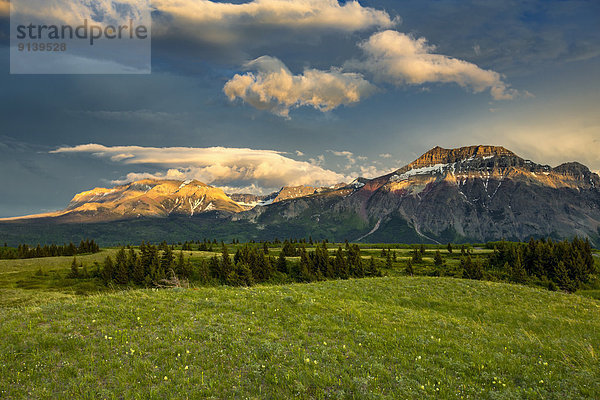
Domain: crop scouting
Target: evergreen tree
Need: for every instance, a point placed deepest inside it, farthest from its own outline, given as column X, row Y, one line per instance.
column 244, row 275
column 121, row 271
column 471, row 269
column 226, row 264
column 517, row 272
column 74, row 269
column 417, row 256
column 450, row 248
column 108, row 270
column 562, row 278
column 438, row 261
column 340, row 267
column 282, row 263
column 409, row 268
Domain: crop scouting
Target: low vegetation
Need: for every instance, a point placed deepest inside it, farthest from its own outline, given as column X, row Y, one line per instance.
column 67, row 333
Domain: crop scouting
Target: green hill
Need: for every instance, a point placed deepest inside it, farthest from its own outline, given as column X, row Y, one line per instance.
column 391, row 337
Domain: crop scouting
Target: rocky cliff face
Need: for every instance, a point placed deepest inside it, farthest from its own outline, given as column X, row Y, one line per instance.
column 471, row 193
column 145, row 198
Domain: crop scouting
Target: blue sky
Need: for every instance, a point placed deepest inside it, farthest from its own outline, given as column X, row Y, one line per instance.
column 355, row 89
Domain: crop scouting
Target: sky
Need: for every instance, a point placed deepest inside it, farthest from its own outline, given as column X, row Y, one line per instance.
column 253, row 95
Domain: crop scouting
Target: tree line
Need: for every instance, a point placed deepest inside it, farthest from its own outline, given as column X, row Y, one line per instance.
column 566, row 264
column 53, row 250
column 153, row 266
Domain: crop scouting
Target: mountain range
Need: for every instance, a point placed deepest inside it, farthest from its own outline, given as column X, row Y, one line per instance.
column 475, row 193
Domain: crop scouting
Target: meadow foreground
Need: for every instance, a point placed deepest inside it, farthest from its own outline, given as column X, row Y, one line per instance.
column 390, row 337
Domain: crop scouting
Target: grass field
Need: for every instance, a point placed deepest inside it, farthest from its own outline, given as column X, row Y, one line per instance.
column 393, row 337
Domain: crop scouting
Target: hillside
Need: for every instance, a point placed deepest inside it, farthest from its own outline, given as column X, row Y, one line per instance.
column 383, row 337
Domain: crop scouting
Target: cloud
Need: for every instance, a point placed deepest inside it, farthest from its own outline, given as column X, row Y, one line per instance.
column 564, row 142
column 227, row 23
column 4, row 8
column 400, row 59
column 385, row 155
column 372, row 171
column 218, row 166
column 274, row 88
column 299, row 153
column 347, row 154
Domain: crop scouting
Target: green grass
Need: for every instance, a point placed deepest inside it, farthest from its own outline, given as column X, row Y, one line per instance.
column 391, row 337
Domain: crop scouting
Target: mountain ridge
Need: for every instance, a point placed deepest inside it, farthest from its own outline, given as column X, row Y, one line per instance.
column 468, row 193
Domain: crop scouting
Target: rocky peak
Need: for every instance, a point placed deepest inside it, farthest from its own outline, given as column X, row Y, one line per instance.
column 292, row 192
column 439, row 155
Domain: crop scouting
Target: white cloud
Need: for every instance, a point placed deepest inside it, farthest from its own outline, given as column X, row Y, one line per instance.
column 299, row 153
column 385, row 155
column 274, row 88
column 347, row 154
column 228, row 23
column 400, row 59
column 372, row 171
column 218, row 166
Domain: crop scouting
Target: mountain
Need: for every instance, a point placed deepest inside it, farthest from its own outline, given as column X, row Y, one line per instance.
column 144, row 198
column 475, row 193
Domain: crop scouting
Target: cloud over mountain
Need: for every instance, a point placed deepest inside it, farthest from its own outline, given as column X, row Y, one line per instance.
column 232, row 168
column 274, row 88
column 400, row 59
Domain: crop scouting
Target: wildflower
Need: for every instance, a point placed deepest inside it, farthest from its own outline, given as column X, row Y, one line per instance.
column 186, row 367
column 187, row 352
column 307, row 360
column 422, row 387
column 165, row 378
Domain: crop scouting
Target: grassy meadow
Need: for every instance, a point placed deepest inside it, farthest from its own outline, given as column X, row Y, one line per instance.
column 392, row 337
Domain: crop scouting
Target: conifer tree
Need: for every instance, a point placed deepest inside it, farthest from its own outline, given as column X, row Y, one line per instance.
column 121, row 273
column 74, row 269
column 517, row 272
column 226, row 264
column 438, row 261
column 417, row 256
column 108, row 270
column 340, row 267
column 409, row 268
column 282, row 263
